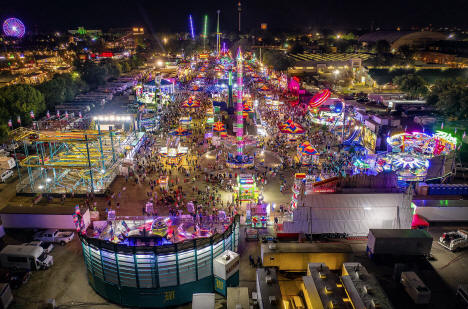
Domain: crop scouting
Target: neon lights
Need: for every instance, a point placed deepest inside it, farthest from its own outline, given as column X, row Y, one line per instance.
column 192, row 30
column 14, row 27
column 440, row 143
column 447, row 136
column 239, row 105
column 410, row 162
column 319, row 98
column 205, row 27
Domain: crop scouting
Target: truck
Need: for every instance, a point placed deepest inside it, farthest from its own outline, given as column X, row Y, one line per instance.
column 55, row 236
column 455, row 240
column 398, row 242
column 25, row 257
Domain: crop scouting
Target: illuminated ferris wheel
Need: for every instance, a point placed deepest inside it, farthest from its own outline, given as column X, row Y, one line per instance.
column 13, row 27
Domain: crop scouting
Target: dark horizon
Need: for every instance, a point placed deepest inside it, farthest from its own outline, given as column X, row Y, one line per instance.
column 293, row 14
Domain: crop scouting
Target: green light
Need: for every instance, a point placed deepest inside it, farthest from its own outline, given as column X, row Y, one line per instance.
column 205, row 28
column 230, row 78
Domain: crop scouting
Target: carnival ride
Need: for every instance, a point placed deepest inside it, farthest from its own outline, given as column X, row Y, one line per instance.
column 410, row 154
column 173, row 151
column 319, row 98
column 13, row 27
column 440, row 143
column 69, row 161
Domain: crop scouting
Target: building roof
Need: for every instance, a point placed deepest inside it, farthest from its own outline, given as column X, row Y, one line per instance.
column 363, row 289
column 328, row 57
column 399, row 38
column 268, row 290
column 353, row 214
column 389, row 36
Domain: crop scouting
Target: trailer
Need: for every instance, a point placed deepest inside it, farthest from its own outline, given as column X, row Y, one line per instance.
column 398, row 242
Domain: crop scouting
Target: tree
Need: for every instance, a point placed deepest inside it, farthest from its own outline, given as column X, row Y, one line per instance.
column 450, row 97
column 406, row 53
column 382, row 47
column 414, row 86
column 297, row 48
column 21, row 100
column 61, row 88
column 93, row 74
column 277, row 60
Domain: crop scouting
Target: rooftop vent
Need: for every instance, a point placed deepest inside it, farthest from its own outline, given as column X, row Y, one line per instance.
column 269, row 279
column 367, row 290
column 272, row 299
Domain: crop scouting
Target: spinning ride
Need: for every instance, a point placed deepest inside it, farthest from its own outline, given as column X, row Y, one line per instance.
column 13, row 27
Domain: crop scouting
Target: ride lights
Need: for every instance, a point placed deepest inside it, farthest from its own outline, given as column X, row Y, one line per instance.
column 113, row 118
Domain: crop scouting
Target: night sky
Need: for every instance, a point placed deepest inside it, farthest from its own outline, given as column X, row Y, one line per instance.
column 46, row 15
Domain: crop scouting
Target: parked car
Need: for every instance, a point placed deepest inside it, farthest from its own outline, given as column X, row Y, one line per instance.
column 47, row 246
column 55, row 236
column 15, row 277
column 5, row 175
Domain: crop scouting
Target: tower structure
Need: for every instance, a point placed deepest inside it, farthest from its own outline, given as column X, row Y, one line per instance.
column 239, row 11
column 239, row 105
column 218, row 34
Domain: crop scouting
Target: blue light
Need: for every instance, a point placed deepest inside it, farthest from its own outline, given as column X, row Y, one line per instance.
column 192, row 30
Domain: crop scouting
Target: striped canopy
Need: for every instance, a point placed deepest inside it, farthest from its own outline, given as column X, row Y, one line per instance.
column 291, row 127
column 180, row 132
column 307, row 149
column 219, row 127
column 191, row 103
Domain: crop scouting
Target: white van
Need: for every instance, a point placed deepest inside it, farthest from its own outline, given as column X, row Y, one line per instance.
column 5, row 175
column 25, row 257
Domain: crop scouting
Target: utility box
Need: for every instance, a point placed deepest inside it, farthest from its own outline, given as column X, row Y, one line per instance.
column 6, row 296
column 415, row 288
column 226, row 271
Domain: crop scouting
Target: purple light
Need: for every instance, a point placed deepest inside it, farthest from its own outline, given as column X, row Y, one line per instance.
column 14, row 27
column 192, row 30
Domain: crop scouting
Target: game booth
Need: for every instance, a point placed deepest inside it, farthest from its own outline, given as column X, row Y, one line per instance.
column 247, row 188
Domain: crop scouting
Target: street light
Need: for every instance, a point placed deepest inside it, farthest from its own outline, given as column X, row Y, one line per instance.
column 165, row 40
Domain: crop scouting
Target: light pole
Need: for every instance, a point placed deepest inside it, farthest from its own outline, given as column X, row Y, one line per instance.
column 218, row 42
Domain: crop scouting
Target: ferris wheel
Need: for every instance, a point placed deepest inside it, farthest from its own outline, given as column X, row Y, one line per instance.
column 14, row 27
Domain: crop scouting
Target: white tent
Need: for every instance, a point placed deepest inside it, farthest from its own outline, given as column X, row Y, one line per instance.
column 353, row 214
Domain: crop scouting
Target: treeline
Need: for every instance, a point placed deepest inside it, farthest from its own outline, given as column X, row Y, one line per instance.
column 19, row 102
column 96, row 74
column 449, row 96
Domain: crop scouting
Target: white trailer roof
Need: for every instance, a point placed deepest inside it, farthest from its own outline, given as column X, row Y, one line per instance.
column 353, row 214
